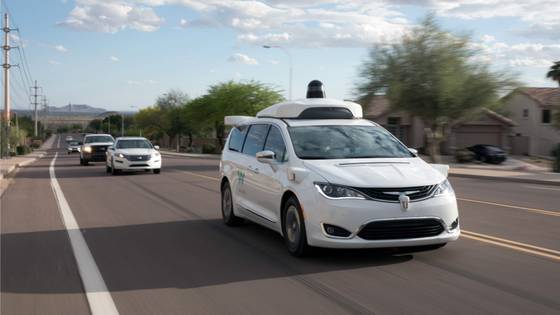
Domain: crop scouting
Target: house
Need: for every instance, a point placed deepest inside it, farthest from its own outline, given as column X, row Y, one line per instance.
column 533, row 109
column 486, row 127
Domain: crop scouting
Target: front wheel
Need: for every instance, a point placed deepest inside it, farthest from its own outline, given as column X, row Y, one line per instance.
column 228, row 215
column 157, row 170
column 114, row 171
column 293, row 228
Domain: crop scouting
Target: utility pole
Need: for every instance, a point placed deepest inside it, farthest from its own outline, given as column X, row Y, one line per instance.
column 122, row 125
column 45, row 112
column 6, row 139
column 35, row 88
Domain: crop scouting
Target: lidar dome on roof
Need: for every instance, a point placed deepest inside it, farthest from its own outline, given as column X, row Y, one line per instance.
column 293, row 109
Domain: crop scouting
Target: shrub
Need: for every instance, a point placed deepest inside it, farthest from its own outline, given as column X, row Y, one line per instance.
column 22, row 149
column 464, row 156
column 208, row 148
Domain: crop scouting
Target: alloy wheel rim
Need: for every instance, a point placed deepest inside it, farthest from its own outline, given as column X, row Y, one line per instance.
column 293, row 231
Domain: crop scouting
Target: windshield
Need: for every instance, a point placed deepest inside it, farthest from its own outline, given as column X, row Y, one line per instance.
column 93, row 139
column 134, row 144
column 345, row 142
column 73, row 143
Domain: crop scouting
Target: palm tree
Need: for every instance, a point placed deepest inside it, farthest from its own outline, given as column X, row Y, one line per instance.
column 554, row 73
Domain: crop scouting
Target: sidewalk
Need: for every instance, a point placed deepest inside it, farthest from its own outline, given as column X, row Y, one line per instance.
column 541, row 178
column 7, row 166
column 191, row 155
column 513, row 171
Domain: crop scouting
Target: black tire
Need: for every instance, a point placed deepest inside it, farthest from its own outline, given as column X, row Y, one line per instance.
column 228, row 215
column 114, row 171
column 107, row 168
column 293, row 228
column 157, row 170
column 81, row 161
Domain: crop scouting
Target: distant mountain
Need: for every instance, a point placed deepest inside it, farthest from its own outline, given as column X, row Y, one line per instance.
column 77, row 108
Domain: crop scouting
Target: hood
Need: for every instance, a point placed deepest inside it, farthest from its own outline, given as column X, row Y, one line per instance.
column 390, row 173
column 135, row 151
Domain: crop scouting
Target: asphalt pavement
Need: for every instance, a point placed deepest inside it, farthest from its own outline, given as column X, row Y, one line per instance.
column 155, row 244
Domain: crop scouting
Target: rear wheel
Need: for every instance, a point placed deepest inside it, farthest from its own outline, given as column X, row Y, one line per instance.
column 228, row 215
column 293, row 228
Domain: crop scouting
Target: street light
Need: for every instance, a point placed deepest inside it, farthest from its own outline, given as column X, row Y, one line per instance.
column 291, row 65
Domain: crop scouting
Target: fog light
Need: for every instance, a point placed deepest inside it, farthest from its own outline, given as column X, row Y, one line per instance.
column 337, row 231
column 454, row 224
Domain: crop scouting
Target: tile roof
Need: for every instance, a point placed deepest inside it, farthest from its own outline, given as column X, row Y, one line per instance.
column 543, row 96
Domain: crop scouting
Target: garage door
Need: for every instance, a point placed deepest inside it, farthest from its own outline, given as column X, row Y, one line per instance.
column 466, row 136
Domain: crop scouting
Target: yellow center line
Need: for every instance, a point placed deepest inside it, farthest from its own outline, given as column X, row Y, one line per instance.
column 514, row 243
column 202, row 176
column 517, row 246
column 540, row 211
column 526, row 248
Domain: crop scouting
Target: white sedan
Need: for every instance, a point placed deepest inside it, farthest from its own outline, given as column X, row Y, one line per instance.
column 133, row 154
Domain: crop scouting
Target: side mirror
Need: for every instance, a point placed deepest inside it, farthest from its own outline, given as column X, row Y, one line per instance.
column 267, row 157
column 156, row 147
column 413, row 151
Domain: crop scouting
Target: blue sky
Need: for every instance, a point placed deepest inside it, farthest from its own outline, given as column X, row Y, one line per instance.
column 122, row 53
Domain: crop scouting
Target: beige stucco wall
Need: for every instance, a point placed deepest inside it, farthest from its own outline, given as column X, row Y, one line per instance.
column 542, row 137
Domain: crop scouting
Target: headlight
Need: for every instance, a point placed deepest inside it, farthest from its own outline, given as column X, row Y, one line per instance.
column 122, row 156
column 156, row 154
column 87, row 149
column 338, row 192
column 444, row 189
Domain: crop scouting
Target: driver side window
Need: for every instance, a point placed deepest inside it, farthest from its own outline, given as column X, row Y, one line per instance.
column 275, row 143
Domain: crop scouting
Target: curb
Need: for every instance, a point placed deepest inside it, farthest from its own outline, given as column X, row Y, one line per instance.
column 192, row 155
column 20, row 164
column 509, row 179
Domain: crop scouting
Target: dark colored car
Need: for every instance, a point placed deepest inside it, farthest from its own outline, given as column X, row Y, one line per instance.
column 488, row 153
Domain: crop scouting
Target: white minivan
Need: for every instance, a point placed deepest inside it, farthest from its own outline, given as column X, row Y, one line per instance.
column 320, row 175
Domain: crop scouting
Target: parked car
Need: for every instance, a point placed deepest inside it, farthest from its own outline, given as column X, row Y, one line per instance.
column 488, row 153
column 319, row 175
column 94, row 148
column 73, row 146
column 133, row 154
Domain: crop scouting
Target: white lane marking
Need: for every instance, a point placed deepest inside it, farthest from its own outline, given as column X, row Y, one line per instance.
column 542, row 188
column 58, row 144
column 98, row 297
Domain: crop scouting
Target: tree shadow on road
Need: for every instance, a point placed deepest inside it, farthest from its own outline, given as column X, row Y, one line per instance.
column 183, row 254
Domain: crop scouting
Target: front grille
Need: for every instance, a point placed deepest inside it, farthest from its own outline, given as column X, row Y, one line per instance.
column 98, row 149
column 135, row 158
column 401, row 229
column 392, row 194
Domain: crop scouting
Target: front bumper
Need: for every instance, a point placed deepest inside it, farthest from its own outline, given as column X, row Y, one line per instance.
column 126, row 165
column 94, row 157
column 353, row 215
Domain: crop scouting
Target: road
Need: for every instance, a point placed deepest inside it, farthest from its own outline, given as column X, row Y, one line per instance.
column 158, row 246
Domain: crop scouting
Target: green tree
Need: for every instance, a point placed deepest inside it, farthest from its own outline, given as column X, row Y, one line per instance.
column 554, row 73
column 431, row 74
column 229, row 98
column 150, row 120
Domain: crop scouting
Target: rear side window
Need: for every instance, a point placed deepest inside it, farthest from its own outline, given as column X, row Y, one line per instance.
column 237, row 137
column 255, row 139
column 275, row 143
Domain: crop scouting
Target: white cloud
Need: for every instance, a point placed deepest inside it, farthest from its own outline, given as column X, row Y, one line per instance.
column 114, row 59
column 183, row 23
column 530, row 62
column 298, row 23
column 60, row 48
column 542, row 16
column 244, row 59
column 53, row 62
column 111, row 16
